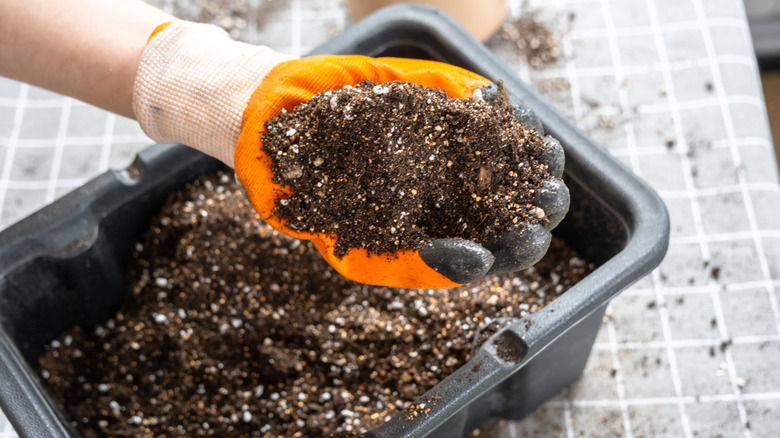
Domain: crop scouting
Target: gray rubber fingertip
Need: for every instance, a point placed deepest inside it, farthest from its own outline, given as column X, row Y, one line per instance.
column 553, row 156
column 553, row 197
column 461, row 261
column 519, row 248
column 489, row 92
column 526, row 116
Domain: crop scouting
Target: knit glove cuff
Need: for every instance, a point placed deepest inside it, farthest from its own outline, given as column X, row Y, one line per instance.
column 193, row 84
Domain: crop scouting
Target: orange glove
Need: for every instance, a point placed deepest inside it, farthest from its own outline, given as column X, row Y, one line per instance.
column 288, row 83
column 292, row 83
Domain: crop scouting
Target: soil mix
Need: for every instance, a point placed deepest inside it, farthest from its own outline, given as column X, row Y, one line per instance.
column 229, row 328
column 392, row 166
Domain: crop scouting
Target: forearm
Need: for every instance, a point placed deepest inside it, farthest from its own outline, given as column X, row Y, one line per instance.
column 87, row 49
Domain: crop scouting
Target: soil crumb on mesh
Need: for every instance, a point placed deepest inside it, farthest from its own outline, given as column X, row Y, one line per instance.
column 231, row 329
column 392, row 166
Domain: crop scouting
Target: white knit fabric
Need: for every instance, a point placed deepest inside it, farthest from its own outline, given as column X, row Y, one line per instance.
column 193, row 84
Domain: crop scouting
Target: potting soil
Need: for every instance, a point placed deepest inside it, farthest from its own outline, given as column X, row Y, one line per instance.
column 389, row 167
column 231, row 329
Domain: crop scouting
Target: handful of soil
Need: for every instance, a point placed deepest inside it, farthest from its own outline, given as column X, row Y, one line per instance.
column 231, row 329
column 389, row 167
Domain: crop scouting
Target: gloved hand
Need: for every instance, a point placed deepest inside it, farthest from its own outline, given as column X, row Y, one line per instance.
column 196, row 86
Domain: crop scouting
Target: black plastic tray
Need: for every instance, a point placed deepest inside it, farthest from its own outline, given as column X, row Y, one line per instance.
column 64, row 265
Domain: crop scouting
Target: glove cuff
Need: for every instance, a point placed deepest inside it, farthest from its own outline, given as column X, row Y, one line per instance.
column 193, row 85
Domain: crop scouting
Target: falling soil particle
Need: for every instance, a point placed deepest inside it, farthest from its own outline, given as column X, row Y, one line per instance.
column 231, row 329
column 389, row 167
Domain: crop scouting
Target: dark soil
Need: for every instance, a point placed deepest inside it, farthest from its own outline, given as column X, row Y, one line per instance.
column 231, row 329
column 390, row 167
column 507, row 350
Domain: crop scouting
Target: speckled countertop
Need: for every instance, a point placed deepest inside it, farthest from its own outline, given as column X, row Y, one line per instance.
column 671, row 88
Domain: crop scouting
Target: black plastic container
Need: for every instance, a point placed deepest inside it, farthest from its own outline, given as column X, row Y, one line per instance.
column 64, row 265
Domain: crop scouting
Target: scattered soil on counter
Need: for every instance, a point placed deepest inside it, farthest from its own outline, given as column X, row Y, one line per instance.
column 231, row 329
column 231, row 15
column 532, row 38
column 392, row 166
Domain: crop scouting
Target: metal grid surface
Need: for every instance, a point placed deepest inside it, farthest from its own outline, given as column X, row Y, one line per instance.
column 671, row 88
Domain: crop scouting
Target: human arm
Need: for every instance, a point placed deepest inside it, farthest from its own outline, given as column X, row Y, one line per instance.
column 86, row 49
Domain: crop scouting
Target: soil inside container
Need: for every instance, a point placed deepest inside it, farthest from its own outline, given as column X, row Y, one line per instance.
column 389, row 167
column 231, row 329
